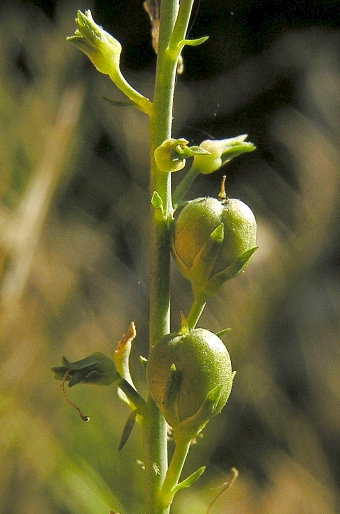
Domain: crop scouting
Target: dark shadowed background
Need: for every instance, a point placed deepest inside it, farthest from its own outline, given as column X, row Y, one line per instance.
column 74, row 253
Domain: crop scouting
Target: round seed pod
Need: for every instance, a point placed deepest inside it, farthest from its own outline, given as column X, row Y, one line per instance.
column 189, row 375
column 212, row 237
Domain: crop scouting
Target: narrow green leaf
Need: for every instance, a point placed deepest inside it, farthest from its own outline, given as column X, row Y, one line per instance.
column 222, row 332
column 130, row 423
column 198, row 150
column 195, row 423
column 117, row 103
column 190, row 151
column 190, row 480
column 196, row 42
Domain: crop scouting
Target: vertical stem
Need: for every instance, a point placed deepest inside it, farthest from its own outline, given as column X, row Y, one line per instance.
column 184, row 186
column 155, row 450
column 154, row 425
column 195, row 312
column 160, row 129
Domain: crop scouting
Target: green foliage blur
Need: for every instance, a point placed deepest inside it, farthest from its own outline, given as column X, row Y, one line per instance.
column 74, row 255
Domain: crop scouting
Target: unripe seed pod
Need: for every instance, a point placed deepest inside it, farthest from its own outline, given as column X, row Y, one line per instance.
column 213, row 238
column 184, row 372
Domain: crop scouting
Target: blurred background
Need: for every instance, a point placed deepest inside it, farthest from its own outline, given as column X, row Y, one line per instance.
column 74, row 253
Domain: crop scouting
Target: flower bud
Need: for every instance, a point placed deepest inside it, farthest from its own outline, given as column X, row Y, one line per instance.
column 219, row 152
column 212, row 242
column 99, row 46
column 190, row 378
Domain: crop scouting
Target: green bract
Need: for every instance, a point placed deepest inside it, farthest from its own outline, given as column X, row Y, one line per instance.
column 212, row 242
column 190, row 378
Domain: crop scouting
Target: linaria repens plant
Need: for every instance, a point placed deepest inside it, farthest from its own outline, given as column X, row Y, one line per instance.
column 189, row 372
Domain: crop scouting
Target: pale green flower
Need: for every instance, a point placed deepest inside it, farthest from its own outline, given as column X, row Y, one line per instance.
column 99, row 46
column 219, row 152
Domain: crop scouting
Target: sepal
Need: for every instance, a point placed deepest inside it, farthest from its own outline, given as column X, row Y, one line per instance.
column 215, row 282
column 192, row 426
column 130, row 423
column 171, row 396
column 118, row 103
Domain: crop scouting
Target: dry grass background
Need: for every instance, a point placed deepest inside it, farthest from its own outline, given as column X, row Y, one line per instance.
column 74, row 273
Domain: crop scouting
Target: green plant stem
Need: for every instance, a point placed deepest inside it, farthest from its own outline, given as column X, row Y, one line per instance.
column 154, row 426
column 181, row 26
column 195, row 312
column 132, row 395
column 184, row 186
column 154, row 432
column 174, row 471
column 160, row 129
column 139, row 100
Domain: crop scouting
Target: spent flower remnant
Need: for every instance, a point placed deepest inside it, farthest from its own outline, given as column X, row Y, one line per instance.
column 171, row 154
column 94, row 369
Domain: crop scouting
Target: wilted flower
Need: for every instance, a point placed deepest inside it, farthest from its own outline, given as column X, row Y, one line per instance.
column 94, row 369
column 171, row 154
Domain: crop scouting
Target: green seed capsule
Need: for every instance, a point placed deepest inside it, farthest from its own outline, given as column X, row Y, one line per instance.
column 190, row 378
column 213, row 239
